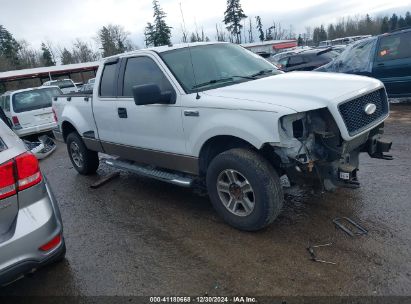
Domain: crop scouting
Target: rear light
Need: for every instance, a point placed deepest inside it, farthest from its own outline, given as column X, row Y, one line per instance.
column 7, row 181
column 15, row 120
column 18, row 174
column 52, row 244
column 55, row 115
column 28, row 171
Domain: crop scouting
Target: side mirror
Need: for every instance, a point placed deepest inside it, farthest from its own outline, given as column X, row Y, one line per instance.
column 150, row 94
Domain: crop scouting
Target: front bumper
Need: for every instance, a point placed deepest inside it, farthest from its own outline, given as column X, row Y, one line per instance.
column 36, row 224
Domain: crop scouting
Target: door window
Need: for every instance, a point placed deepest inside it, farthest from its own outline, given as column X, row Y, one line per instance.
column 108, row 81
column 295, row 60
column 394, row 47
column 143, row 70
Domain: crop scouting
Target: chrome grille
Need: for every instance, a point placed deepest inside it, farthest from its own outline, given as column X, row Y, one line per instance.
column 353, row 111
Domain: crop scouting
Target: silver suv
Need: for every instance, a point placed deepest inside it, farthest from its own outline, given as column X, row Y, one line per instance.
column 31, row 230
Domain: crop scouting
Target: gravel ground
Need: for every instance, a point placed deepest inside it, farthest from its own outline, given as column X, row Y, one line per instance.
column 136, row 236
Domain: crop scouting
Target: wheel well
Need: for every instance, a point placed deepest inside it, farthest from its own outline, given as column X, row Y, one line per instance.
column 67, row 128
column 217, row 145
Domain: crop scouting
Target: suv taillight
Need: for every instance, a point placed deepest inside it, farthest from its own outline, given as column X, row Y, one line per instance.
column 7, row 181
column 19, row 174
column 28, row 171
column 55, row 115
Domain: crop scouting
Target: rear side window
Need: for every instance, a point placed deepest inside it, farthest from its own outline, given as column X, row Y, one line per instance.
column 7, row 103
column 394, row 47
column 143, row 70
column 108, row 80
column 34, row 99
column 295, row 60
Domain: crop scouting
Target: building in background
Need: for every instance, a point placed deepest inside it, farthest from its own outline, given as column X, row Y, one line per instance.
column 28, row 78
column 267, row 48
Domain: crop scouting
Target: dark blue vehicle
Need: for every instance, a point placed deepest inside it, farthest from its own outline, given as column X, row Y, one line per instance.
column 386, row 57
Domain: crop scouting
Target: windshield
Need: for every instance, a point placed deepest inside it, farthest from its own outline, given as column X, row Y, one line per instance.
column 63, row 84
column 215, row 65
column 34, row 99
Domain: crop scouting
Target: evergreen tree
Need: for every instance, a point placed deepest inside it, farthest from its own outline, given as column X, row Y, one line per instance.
column 322, row 33
column 9, row 49
column 260, row 28
column 149, row 33
column 401, row 22
column 393, row 22
column 162, row 33
column 385, row 26
column 300, row 40
column 408, row 19
column 193, row 37
column 47, row 57
column 232, row 18
column 66, row 57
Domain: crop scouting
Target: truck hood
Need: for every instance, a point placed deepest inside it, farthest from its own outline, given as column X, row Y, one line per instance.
column 299, row 91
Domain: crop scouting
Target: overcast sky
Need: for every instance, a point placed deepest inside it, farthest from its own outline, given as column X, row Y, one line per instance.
column 61, row 21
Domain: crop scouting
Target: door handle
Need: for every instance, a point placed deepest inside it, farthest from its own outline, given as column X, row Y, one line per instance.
column 191, row 113
column 380, row 64
column 122, row 112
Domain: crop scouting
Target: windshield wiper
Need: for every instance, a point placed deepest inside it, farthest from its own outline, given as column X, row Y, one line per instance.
column 213, row 81
column 260, row 73
column 226, row 79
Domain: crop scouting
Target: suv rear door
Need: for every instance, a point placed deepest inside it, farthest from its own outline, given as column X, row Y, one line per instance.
column 392, row 64
column 33, row 107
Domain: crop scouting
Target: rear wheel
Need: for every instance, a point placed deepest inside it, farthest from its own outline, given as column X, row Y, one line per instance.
column 245, row 189
column 84, row 160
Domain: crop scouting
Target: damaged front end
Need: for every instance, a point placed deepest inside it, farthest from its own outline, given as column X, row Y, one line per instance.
column 313, row 152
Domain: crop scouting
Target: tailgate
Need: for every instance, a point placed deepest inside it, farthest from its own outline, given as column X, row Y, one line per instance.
column 35, row 117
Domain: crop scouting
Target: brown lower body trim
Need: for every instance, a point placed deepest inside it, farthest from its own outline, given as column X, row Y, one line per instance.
column 178, row 162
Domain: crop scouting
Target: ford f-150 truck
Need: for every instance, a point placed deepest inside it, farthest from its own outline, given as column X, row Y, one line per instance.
column 217, row 115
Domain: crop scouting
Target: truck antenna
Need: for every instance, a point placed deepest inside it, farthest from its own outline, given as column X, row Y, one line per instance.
column 189, row 51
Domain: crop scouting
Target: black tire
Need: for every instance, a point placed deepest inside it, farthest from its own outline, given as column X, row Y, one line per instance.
column 90, row 160
column 267, row 194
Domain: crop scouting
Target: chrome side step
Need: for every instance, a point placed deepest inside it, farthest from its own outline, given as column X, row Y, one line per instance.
column 172, row 178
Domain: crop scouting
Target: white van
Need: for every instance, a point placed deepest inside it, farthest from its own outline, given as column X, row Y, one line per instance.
column 66, row 85
column 29, row 111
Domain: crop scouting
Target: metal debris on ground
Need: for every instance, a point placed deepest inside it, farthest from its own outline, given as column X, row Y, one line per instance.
column 313, row 256
column 41, row 148
column 105, row 180
column 358, row 229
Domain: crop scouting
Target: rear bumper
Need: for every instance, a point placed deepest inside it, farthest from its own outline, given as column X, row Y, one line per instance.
column 35, row 130
column 36, row 224
column 21, row 269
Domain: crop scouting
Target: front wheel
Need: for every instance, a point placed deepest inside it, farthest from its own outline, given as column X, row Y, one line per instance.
column 244, row 189
column 84, row 160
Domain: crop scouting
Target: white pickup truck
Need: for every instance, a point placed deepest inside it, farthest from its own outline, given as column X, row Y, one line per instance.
column 217, row 115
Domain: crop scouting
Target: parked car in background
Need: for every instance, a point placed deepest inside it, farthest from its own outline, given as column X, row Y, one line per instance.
column 220, row 116
column 31, row 229
column 386, row 57
column 91, row 81
column 342, row 41
column 306, row 60
column 87, row 87
column 324, row 44
column 66, row 85
column 29, row 110
column 339, row 48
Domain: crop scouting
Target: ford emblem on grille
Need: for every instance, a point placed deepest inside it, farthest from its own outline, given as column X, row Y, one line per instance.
column 370, row 108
